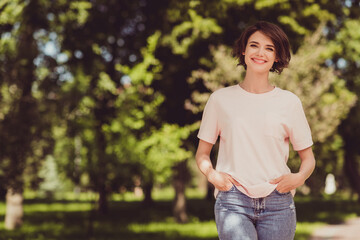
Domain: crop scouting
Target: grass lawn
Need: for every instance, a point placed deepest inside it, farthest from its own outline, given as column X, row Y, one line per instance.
column 128, row 219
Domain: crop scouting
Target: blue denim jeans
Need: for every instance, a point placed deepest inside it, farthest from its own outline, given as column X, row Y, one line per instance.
column 238, row 216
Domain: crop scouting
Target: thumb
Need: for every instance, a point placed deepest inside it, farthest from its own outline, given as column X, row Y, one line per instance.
column 233, row 181
column 276, row 180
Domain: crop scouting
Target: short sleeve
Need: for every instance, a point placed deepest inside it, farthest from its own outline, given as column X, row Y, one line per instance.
column 300, row 133
column 209, row 127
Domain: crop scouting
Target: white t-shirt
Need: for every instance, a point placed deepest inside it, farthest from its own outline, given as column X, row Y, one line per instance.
column 254, row 131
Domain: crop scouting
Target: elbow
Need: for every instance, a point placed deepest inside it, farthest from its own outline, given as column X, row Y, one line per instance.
column 313, row 163
column 198, row 158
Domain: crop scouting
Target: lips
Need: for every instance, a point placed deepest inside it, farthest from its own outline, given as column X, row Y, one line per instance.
column 257, row 60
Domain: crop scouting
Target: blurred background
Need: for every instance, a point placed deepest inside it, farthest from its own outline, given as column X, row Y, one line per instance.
column 100, row 103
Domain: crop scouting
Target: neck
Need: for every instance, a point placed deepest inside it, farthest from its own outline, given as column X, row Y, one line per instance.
column 256, row 83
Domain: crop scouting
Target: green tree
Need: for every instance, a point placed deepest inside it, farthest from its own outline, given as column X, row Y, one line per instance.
column 347, row 62
column 25, row 101
column 110, row 110
column 93, row 95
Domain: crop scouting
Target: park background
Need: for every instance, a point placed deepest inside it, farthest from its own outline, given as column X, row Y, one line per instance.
column 100, row 103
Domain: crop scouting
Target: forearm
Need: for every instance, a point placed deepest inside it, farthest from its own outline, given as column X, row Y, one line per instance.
column 203, row 157
column 291, row 181
column 307, row 163
column 204, row 164
column 306, row 168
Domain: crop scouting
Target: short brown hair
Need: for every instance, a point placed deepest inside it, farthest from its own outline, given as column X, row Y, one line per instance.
column 278, row 37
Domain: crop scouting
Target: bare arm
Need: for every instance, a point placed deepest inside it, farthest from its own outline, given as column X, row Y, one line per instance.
column 307, row 162
column 220, row 180
column 293, row 180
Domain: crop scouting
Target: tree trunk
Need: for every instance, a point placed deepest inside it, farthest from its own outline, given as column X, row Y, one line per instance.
column 77, row 164
column 210, row 192
column 180, row 203
column 350, row 132
column 14, row 209
column 101, row 159
column 148, row 201
column 180, row 179
column 351, row 171
column 103, row 204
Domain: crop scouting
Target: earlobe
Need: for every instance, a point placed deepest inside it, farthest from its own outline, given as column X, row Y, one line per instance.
column 243, row 53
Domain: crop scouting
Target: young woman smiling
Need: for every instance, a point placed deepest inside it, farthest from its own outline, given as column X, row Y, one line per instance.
column 254, row 187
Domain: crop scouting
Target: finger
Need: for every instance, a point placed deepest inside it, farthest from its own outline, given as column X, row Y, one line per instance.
column 276, row 180
column 226, row 187
column 233, row 181
column 282, row 190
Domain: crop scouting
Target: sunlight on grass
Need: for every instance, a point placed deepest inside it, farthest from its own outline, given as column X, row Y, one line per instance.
column 69, row 216
column 68, row 196
column 168, row 193
column 304, row 229
column 127, row 197
column 195, row 193
column 170, row 229
column 57, row 207
column 164, row 194
column 2, row 208
column 334, row 217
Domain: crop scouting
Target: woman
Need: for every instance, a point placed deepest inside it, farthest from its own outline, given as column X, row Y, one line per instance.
column 254, row 187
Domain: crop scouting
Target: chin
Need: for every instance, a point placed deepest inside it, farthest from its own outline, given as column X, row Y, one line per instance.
column 259, row 69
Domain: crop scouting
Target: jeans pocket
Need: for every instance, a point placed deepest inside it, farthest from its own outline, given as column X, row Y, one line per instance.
column 281, row 194
column 230, row 190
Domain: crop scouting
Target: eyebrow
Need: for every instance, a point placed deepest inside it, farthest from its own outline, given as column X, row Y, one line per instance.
column 269, row 45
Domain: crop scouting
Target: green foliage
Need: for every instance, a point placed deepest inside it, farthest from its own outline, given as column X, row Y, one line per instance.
column 11, row 10
column 76, row 12
column 196, row 28
column 51, row 181
column 139, row 74
column 349, row 40
column 162, row 149
column 265, row 4
column 26, row 108
column 223, row 73
column 295, row 26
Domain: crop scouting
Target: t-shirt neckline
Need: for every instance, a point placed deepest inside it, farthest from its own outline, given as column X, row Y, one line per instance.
column 258, row 95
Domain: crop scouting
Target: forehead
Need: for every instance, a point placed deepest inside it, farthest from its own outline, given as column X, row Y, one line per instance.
column 260, row 38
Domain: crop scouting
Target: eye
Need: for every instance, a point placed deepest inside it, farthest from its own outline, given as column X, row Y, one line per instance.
column 253, row 45
column 270, row 49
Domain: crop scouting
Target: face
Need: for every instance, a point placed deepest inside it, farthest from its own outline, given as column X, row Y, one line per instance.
column 259, row 53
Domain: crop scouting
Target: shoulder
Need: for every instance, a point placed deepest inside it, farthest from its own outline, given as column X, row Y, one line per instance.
column 288, row 96
column 222, row 93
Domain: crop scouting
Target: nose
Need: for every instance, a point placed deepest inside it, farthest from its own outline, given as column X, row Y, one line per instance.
column 260, row 51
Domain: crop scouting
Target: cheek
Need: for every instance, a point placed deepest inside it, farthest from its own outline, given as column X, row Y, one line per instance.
column 273, row 56
column 246, row 59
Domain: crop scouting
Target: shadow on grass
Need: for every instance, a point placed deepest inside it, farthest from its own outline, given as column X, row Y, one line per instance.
column 125, row 220
column 333, row 211
column 132, row 220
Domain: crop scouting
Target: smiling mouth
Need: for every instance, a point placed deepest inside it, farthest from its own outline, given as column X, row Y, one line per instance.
column 260, row 61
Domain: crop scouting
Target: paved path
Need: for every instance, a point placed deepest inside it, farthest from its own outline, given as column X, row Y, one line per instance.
column 347, row 231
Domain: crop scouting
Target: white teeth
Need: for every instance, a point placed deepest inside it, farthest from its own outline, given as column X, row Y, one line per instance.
column 258, row 60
